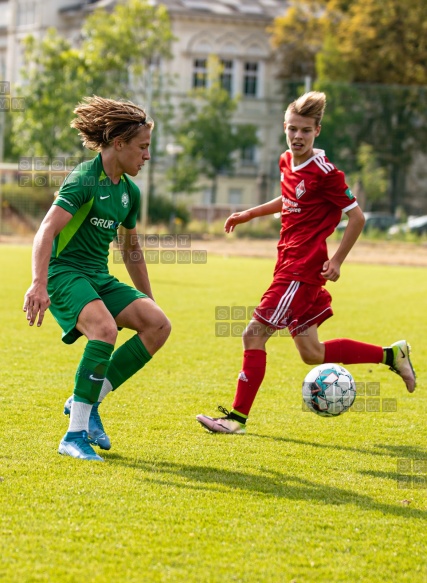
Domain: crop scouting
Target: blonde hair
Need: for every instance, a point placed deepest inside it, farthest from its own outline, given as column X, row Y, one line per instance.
column 311, row 104
column 99, row 121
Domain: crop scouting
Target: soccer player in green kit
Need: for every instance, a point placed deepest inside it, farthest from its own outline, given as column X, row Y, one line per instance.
column 70, row 266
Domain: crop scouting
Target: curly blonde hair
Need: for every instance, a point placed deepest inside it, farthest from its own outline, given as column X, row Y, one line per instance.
column 311, row 104
column 99, row 121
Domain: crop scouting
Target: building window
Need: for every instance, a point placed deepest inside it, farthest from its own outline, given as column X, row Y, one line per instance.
column 200, row 73
column 235, row 196
column 26, row 13
column 248, row 155
column 250, row 79
column 227, row 75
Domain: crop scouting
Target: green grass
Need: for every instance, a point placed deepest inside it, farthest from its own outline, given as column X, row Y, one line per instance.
column 299, row 498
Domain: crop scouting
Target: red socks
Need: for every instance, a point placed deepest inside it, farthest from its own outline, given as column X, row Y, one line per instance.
column 250, row 379
column 346, row 351
column 340, row 350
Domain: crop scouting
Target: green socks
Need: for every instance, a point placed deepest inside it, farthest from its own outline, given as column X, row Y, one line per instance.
column 91, row 371
column 128, row 359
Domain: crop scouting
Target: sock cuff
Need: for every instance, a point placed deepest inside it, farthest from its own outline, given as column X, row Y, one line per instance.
column 254, row 358
column 137, row 347
column 237, row 416
column 99, row 349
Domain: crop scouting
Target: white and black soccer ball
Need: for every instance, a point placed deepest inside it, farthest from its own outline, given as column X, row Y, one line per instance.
column 329, row 390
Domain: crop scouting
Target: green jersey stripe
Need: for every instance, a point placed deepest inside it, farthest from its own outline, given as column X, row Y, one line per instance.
column 73, row 226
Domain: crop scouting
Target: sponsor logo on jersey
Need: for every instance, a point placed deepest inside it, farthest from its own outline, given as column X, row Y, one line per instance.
column 104, row 197
column 349, row 194
column 104, row 223
column 125, row 199
column 300, row 189
column 290, row 206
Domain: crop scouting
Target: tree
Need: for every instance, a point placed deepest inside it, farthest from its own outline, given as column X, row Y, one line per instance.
column 371, row 177
column 207, row 136
column 55, row 79
column 298, row 36
column 370, row 55
column 113, row 60
column 385, row 42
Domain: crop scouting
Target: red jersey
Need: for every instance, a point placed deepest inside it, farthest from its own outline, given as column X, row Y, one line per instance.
column 314, row 196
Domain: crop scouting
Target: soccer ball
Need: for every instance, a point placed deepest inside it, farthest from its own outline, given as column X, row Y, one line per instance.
column 329, row 390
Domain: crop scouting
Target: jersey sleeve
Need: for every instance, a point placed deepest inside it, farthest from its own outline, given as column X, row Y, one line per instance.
column 336, row 191
column 130, row 221
column 75, row 191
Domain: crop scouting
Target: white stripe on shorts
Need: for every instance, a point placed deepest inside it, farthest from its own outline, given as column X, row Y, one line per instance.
column 284, row 303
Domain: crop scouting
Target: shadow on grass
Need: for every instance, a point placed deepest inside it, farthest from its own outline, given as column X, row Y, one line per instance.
column 266, row 483
column 398, row 451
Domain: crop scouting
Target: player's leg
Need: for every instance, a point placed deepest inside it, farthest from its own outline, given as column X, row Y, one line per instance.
column 249, row 381
column 96, row 323
column 272, row 314
column 344, row 350
column 396, row 356
column 152, row 329
column 76, row 306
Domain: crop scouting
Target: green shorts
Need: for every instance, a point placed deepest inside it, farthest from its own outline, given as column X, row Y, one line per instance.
column 70, row 291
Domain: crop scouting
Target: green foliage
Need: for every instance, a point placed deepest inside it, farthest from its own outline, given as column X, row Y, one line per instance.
column 183, row 174
column 384, row 42
column 369, row 55
column 112, row 61
column 368, row 41
column 370, row 176
column 299, row 498
column 298, row 36
column 56, row 77
column 162, row 210
column 119, row 45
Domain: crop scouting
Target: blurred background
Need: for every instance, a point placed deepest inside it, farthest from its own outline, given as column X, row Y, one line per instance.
column 216, row 76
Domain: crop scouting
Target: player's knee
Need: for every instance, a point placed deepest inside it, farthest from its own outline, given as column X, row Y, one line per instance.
column 165, row 328
column 159, row 329
column 107, row 332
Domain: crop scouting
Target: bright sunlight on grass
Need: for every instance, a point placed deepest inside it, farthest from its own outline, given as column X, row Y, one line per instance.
column 300, row 498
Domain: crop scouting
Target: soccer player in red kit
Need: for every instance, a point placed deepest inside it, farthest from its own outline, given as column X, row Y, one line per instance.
column 314, row 196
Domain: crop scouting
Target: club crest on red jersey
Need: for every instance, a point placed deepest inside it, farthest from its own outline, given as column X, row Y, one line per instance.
column 300, row 189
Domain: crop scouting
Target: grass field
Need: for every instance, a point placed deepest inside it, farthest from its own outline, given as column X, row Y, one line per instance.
column 298, row 499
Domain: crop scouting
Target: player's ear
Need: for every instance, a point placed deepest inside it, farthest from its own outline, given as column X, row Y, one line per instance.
column 118, row 144
column 317, row 132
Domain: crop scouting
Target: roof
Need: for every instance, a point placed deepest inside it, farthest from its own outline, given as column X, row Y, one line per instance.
column 250, row 8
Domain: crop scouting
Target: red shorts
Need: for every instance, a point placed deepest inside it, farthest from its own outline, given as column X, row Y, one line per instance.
column 294, row 305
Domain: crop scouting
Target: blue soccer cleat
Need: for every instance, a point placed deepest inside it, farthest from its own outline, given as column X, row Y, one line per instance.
column 75, row 444
column 96, row 433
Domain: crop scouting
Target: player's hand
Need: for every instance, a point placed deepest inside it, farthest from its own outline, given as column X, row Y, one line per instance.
column 331, row 270
column 236, row 219
column 36, row 302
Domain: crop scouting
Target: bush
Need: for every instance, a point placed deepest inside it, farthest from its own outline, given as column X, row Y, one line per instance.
column 161, row 210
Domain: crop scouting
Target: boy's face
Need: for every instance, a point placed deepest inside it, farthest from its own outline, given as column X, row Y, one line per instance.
column 133, row 155
column 300, row 135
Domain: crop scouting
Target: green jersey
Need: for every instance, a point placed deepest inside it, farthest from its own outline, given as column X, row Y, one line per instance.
column 98, row 207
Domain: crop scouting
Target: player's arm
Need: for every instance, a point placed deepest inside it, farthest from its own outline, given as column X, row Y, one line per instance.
column 262, row 210
column 36, row 300
column 356, row 221
column 134, row 260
